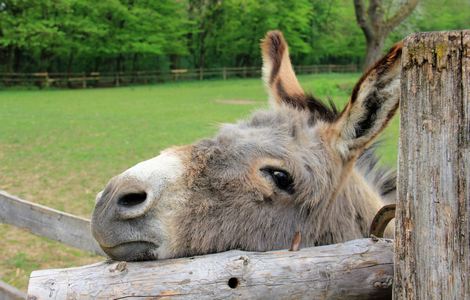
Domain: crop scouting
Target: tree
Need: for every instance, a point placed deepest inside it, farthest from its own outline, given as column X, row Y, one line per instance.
column 332, row 38
column 227, row 33
column 378, row 21
column 30, row 26
column 109, row 35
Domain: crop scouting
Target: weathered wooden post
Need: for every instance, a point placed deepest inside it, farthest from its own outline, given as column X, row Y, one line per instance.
column 117, row 79
column 432, row 242
column 84, row 79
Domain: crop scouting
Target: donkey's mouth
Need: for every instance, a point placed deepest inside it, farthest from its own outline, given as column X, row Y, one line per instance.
column 132, row 251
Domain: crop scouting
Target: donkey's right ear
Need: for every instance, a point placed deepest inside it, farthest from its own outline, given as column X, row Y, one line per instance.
column 373, row 103
column 278, row 74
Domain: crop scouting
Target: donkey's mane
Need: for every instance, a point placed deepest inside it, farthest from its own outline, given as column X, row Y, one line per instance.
column 326, row 112
column 319, row 110
column 383, row 178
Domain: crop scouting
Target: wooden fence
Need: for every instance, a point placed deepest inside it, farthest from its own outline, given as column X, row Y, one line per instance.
column 432, row 245
column 106, row 79
column 365, row 264
column 45, row 222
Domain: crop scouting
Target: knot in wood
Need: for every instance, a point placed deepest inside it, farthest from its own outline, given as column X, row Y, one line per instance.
column 245, row 260
column 385, row 283
column 119, row 267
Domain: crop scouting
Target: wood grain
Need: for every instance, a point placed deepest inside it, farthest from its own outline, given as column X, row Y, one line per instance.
column 432, row 237
column 359, row 269
column 47, row 222
column 8, row 292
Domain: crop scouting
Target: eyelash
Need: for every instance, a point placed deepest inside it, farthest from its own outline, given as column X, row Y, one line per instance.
column 282, row 179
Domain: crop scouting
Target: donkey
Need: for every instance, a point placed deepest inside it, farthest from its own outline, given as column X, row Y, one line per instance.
column 300, row 166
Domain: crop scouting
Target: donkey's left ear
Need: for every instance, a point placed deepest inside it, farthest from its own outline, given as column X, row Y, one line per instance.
column 373, row 103
column 278, row 74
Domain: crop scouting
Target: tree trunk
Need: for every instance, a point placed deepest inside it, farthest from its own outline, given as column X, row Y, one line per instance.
column 70, row 62
column 119, row 63
column 17, row 66
column 202, row 57
column 11, row 59
column 97, row 64
column 432, row 239
column 374, row 50
column 376, row 26
column 174, row 61
column 69, row 67
column 135, row 59
column 45, row 58
column 117, row 79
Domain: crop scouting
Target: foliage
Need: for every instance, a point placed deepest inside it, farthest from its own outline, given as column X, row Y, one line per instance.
column 229, row 31
column 108, row 35
column 85, row 34
column 435, row 15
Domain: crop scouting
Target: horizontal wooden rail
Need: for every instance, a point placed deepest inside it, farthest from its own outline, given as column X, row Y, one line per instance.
column 47, row 222
column 359, row 269
column 8, row 292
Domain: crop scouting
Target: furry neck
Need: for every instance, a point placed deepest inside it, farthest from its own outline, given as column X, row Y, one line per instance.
column 347, row 216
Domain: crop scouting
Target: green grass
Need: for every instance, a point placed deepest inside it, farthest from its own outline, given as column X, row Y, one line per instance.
column 59, row 147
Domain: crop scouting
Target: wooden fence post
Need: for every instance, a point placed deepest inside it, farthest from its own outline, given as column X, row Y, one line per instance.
column 224, row 73
column 84, row 79
column 47, row 82
column 432, row 242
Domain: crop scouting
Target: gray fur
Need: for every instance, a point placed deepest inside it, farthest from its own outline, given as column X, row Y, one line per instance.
column 226, row 212
column 223, row 199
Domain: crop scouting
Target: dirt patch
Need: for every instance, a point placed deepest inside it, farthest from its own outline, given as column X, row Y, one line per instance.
column 236, row 101
column 346, row 86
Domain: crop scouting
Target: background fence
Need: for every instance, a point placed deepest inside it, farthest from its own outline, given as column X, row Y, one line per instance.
column 107, row 79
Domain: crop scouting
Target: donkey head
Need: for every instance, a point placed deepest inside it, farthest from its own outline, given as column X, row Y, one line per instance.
column 295, row 167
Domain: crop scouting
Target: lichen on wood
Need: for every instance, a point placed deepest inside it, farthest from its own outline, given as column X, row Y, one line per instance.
column 432, row 239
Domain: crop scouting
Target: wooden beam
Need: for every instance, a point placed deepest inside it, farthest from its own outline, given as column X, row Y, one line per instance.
column 433, row 211
column 359, row 269
column 8, row 292
column 47, row 222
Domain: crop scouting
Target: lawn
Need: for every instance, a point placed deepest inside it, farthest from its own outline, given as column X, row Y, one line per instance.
column 59, row 147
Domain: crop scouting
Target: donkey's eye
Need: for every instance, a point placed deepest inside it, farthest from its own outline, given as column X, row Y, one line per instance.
column 281, row 178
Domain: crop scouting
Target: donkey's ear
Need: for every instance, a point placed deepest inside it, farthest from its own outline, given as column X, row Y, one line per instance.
column 373, row 103
column 278, row 74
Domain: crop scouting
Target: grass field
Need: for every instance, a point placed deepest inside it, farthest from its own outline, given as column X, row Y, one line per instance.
column 59, row 147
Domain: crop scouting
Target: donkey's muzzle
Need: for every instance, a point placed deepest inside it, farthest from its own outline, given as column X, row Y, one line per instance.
column 125, row 221
column 132, row 199
column 125, row 199
column 132, row 251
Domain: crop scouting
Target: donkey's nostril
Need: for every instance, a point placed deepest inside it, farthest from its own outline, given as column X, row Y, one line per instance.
column 132, row 199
